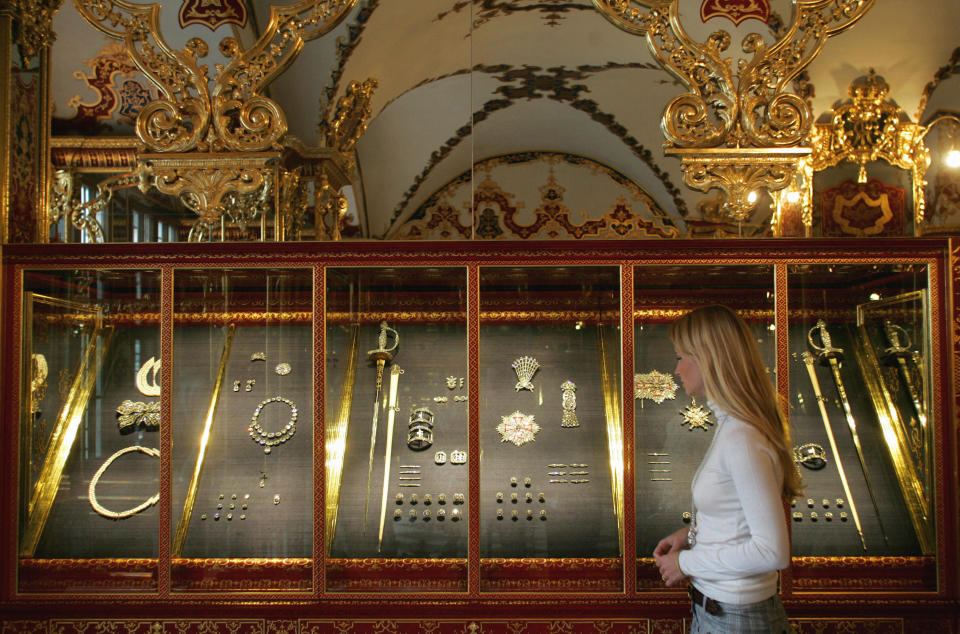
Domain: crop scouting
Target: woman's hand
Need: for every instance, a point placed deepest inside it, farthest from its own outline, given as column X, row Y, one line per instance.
column 667, row 554
column 676, row 541
column 670, row 568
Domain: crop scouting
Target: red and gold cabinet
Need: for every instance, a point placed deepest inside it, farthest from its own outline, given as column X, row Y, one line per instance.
column 480, row 437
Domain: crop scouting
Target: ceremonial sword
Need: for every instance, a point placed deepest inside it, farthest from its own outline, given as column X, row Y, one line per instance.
column 395, row 372
column 818, row 395
column 830, row 356
column 381, row 356
column 900, row 352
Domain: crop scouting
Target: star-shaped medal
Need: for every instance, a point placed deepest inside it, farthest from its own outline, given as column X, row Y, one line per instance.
column 518, row 428
column 655, row 386
column 696, row 416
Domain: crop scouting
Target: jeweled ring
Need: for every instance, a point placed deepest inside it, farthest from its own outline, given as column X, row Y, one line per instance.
column 810, row 455
column 282, row 369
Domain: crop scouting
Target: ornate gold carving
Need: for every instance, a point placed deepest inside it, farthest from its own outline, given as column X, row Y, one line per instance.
column 217, row 141
column 234, row 115
column 732, row 106
column 739, row 175
column 349, row 122
column 63, row 202
column 869, row 127
column 742, row 107
column 33, row 29
column 329, row 208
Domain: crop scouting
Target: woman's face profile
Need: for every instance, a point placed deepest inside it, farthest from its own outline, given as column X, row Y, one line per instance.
column 688, row 371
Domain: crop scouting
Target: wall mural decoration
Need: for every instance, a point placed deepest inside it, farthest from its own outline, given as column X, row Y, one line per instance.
column 735, row 10
column 24, row 128
column 213, row 13
column 615, row 207
column 862, row 209
column 120, row 88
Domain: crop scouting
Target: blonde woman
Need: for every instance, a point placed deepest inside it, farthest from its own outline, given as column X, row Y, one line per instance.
column 738, row 537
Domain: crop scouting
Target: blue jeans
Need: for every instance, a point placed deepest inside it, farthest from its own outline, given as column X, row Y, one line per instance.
column 763, row 617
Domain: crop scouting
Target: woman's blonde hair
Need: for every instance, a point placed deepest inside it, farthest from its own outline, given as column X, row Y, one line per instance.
column 735, row 378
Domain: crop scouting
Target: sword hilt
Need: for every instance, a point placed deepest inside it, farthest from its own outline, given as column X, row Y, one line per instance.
column 382, row 351
column 897, row 347
column 826, row 349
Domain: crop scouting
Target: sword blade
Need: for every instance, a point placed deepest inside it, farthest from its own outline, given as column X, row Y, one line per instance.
column 373, row 442
column 818, row 394
column 852, row 425
column 912, row 391
column 395, row 373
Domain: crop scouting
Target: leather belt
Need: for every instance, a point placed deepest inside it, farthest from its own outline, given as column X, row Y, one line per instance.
column 712, row 607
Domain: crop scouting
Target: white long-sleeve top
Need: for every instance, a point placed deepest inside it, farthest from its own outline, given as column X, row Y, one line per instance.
column 741, row 539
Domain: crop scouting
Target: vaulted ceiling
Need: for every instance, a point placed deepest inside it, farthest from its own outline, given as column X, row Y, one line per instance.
column 461, row 83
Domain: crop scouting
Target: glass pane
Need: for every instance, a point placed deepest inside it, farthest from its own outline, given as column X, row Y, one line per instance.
column 859, row 393
column 673, row 429
column 90, row 417
column 242, row 421
column 396, row 429
column 550, row 429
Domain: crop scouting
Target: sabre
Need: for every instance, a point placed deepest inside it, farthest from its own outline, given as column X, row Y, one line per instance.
column 818, row 395
column 395, row 372
column 830, row 356
column 899, row 352
column 382, row 355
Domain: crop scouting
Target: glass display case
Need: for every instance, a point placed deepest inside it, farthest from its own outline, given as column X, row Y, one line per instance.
column 344, row 422
column 242, row 417
column 396, row 429
column 673, row 429
column 89, row 423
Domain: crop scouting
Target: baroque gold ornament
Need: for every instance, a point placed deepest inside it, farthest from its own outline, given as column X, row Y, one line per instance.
column 235, row 115
column 214, row 142
column 869, row 127
column 735, row 102
column 33, row 26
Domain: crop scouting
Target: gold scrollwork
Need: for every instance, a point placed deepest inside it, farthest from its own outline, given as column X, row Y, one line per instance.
column 64, row 202
column 735, row 108
column 207, row 184
column 235, row 115
column 216, row 143
column 751, row 107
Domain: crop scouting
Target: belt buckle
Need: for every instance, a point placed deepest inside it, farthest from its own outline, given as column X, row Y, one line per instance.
column 710, row 605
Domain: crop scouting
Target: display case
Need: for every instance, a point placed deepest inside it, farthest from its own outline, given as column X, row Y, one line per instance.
column 349, row 425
